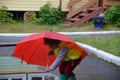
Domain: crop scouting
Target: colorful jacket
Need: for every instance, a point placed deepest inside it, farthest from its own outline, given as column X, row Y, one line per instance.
column 65, row 52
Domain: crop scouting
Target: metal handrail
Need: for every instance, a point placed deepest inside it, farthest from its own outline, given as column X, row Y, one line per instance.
column 8, row 44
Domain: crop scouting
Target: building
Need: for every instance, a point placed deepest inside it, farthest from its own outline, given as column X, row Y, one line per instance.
column 78, row 11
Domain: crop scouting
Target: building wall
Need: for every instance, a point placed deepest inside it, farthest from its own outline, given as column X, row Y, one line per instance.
column 27, row 5
column 34, row 5
column 65, row 2
column 110, row 2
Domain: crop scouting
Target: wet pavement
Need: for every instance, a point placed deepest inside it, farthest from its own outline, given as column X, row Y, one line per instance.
column 91, row 68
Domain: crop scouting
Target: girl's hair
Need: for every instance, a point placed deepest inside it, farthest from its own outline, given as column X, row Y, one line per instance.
column 51, row 41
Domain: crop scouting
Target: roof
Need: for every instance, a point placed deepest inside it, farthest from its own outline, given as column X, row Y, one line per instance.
column 14, row 65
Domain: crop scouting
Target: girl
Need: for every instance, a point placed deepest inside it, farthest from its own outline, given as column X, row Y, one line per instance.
column 67, row 58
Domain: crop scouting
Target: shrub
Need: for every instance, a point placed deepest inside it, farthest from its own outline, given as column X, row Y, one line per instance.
column 113, row 15
column 32, row 17
column 48, row 15
column 5, row 17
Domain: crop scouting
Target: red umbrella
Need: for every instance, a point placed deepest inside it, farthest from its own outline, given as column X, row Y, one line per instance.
column 33, row 50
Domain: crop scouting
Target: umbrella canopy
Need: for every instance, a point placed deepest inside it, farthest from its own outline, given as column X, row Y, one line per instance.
column 33, row 50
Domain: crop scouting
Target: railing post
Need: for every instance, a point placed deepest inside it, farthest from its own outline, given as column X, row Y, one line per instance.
column 70, row 7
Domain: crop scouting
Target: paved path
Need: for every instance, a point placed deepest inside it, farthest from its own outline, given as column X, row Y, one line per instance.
column 92, row 68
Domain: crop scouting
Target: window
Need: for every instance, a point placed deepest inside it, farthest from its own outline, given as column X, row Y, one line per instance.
column 42, row 76
column 13, row 77
column 36, row 78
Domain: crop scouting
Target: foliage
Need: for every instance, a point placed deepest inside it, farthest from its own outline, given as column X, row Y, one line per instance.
column 113, row 15
column 48, row 15
column 19, row 27
column 5, row 17
column 32, row 17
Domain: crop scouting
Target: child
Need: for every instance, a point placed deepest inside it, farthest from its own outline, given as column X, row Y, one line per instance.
column 67, row 58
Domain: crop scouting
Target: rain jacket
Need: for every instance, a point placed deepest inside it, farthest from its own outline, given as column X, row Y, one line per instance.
column 65, row 52
column 72, row 52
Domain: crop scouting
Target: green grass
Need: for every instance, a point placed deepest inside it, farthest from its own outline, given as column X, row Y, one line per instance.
column 110, row 44
column 34, row 28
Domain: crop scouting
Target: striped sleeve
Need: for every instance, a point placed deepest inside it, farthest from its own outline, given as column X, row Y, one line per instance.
column 61, row 54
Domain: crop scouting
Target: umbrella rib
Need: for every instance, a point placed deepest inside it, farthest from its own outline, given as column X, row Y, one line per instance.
column 33, row 54
column 48, row 61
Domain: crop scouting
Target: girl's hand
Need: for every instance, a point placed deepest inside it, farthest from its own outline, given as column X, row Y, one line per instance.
column 47, row 69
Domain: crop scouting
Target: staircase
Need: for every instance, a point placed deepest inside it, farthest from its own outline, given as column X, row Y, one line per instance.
column 83, row 13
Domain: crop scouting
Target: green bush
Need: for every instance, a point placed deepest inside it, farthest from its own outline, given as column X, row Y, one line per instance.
column 5, row 17
column 48, row 15
column 33, row 17
column 113, row 15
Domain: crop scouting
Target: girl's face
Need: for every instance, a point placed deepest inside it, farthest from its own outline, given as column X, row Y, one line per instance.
column 53, row 46
column 52, row 43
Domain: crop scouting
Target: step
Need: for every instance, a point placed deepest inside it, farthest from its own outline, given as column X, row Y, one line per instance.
column 105, row 7
column 74, row 19
column 92, row 9
column 93, row 13
column 83, row 14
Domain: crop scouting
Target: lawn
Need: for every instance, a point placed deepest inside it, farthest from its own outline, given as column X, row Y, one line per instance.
column 34, row 28
column 108, row 44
